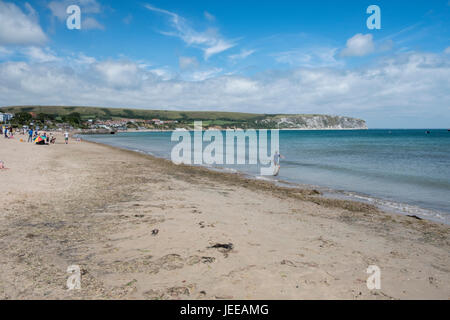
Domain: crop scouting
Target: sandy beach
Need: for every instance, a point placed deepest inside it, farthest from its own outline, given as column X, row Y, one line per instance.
column 143, row 228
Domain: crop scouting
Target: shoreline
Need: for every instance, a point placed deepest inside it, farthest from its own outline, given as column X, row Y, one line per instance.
column 390, row 206
column 305, row 192
column 98, row 206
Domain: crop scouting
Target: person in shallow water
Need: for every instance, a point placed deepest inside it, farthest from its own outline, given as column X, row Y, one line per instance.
column 276, row 162
column 276, row 158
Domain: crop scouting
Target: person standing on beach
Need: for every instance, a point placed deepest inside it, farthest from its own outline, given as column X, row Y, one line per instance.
column 30, row 135
column 66, row 137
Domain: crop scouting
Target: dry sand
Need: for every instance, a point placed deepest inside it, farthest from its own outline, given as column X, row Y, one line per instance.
column 96, row 206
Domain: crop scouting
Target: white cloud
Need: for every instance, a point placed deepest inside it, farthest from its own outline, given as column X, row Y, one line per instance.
column 209, row 41
column 18, row 28
column 161, row 73
column 119, row 74
column 242, row 55
column 84, row 59
column 359, row 45
column 447, row 50
column 402, row 86
column 37, row 54
column 240, row 86
column 187, row 62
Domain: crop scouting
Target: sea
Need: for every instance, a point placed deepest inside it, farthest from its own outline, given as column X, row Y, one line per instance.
column 404, row 171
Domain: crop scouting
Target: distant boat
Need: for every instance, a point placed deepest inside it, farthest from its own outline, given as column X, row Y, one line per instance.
column 427, row 132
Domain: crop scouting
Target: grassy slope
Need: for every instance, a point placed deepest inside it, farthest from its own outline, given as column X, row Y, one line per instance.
column 107, row 113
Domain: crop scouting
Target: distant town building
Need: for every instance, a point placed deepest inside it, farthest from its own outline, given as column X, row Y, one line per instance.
column 4, row 117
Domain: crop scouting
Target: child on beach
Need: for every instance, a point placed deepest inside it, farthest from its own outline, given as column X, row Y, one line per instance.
column 66, row 137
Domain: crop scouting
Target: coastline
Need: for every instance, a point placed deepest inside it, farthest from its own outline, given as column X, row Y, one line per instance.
column 183, row 129
column 97, row 205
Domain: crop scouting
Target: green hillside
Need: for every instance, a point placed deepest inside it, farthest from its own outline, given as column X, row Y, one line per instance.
column 112, row 113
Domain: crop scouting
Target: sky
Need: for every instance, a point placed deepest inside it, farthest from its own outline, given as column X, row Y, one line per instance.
column 248, row 56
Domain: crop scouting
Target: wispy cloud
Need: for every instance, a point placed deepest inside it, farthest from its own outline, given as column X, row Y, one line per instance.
column 209, row 41
column 37, row 54
column 402, row 31
column 84, row 59
column 201, row 75
column 309, row 57
column 209, row 16
column 242, row 55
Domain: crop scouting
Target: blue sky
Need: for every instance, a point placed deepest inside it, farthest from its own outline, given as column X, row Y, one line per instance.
column 250, row 56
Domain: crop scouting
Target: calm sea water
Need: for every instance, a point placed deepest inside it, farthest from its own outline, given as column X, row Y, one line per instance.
column 405, row 171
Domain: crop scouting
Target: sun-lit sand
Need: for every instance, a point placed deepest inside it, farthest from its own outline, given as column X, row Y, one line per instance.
column 143, row 228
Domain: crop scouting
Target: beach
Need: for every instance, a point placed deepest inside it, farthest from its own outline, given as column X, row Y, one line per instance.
column 141, row 227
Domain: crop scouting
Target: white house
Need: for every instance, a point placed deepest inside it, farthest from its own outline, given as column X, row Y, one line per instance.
column 5, row 117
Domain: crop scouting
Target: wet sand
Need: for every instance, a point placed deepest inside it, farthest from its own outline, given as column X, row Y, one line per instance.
column 143, row 228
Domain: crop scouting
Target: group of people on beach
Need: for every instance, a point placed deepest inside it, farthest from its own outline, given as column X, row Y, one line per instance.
column 45, row 138
column 33, row 135
column 8, row 132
